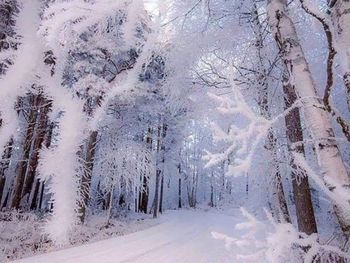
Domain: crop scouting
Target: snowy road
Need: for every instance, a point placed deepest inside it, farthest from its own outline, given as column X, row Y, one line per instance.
column 182, row 236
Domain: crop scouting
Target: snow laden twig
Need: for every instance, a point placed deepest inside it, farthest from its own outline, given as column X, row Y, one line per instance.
column 61, row 25
column 64, row 174
column 18, row 77
column 70, row 19
column 127, row 81
column 268, row 241
column 243, row 136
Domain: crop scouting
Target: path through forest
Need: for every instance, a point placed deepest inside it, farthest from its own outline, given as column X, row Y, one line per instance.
column 182, row 236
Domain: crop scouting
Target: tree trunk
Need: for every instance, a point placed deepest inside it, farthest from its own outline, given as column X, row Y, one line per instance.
column 23, row 163
column 332, row 166
column 6, row 200
column 34, row 203
column 180, row 202
column 110, row 204
column 158, row 174
column 301, row 190
column 340, row 15
column 162, row 149
column 263, row 101
column 4, row 164
column 281, row 198
column 211, row 192
column 2, row 186
column 86, row 179
column 156, row 195
column 144, row 193
column 37, row 143
column 161, row 193
column 41, row 195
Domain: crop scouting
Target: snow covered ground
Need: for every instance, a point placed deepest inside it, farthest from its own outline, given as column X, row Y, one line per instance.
column 182, row 236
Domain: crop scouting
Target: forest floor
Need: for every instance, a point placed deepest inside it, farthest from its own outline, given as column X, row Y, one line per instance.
column 181, row 236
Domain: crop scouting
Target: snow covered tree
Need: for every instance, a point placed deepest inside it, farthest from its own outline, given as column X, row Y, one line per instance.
column 328, row 154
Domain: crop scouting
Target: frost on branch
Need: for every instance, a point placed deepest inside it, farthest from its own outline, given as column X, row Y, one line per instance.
column 274, row 242
column 243, row 136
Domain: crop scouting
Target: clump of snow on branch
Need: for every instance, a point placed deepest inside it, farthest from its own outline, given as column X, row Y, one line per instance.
column 63, row 175
column 91, row 85
column 17, row 79
column 268, row 241
column 63, row 29
column 243, row 136
column 123, row 160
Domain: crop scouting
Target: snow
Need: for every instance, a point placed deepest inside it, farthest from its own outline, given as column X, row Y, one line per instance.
column 182, row 236
column 202, row 236
column 17, row 79
column 193, row 47
column 21, row 234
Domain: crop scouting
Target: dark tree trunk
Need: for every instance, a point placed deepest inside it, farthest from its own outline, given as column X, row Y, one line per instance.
column 135, row 201
column 41, row 195
column 2, row 186
column 180, row 202
column 23, row 163
column 158, row 174
column 86, row 180
column 161, row 193
column 144, row 193
column 301, row 190
column 156, row 195
column 139, row 195
column 263, row 101
column 281, row 198
column 4, row 164
column 162, row 150
column 34, row 203
column 38, row 140
column 144, row 196
column 4, row 204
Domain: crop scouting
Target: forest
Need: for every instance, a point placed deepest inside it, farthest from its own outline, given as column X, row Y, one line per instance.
column 175, row 131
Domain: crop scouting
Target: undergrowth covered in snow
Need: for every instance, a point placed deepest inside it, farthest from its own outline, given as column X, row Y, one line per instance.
column 269, row 241
column 21, row 234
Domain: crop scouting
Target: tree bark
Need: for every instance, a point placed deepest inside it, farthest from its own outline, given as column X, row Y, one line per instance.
column 263, row 102
column 4, row 164
column 144, row 192
column 161, row 193
column 301, row 190
column 156, row 195
column 162, row 149
column 33, row 203
column 37, row 143
column 180, row 202
column 86, row 179
column 158, row 173
column 340, row 15
column 36, row 201
column 332, row 166
column 23, row 163
column 41, row 198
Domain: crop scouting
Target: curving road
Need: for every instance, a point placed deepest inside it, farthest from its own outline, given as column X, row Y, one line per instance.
column 181, row 237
